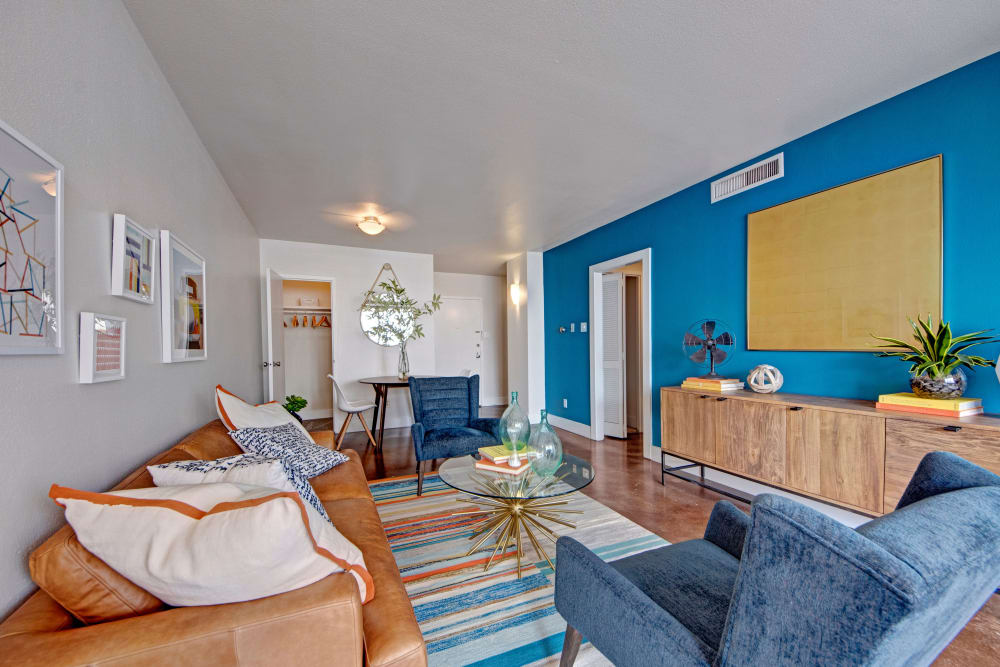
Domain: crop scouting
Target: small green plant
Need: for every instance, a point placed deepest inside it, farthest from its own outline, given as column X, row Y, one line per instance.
column 937, row 353
column 295, row 403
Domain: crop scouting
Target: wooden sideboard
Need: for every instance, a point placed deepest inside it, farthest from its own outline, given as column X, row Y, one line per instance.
column 840, row 451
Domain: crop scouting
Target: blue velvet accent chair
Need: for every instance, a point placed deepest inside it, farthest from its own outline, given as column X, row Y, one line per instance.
column 790, row 586
column 446, row 420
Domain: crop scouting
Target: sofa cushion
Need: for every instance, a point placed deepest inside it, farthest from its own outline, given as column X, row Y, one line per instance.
column 692, row 580
column 211, row 543
column 211, row 441
column 451, row 441
column 392, row 636
column 344, row 481
column 83, row 584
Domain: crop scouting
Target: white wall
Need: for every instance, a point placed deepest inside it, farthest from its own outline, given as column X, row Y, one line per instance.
column 525, row 333
column 491, row 290
column 308, row 354
column 78, row 80
column 352, row 271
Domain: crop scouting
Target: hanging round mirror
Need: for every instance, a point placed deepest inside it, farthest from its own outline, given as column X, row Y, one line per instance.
column 382, row 324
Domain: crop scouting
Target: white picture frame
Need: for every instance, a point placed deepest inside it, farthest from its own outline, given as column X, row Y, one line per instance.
column 31, row 276
column 183, row 301
column 102, row 348
column 133, row 261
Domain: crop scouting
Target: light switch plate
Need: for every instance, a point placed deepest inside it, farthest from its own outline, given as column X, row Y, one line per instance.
column 583, row 327
column 572, row 327
column 565, row 403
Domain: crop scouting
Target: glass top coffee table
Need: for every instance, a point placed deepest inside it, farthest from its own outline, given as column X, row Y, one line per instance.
column 514, row 504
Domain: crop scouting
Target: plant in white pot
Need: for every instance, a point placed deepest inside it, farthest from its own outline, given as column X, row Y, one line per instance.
column 391, row 317
column 937, row 358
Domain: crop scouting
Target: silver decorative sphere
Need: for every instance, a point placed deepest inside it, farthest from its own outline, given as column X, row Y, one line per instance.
column 765, row 379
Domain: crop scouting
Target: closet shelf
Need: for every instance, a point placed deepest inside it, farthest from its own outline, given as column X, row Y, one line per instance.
column 303, row 309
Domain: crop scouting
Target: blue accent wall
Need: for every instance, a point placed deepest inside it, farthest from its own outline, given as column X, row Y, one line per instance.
column 699, row 249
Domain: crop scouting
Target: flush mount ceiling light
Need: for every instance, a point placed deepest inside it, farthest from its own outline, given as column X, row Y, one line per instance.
column 371, row 225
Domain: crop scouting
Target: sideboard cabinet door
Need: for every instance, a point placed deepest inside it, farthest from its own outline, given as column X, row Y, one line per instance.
column 751, row 439
column 906, row 442
column 687, row 422
column 837, row 455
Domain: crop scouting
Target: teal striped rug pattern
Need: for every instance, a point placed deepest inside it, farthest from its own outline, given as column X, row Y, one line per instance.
column 491, row 618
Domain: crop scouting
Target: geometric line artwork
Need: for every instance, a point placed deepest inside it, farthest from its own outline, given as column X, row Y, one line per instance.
column 30, row 248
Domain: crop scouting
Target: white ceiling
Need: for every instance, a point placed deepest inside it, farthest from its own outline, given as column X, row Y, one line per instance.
column 489, row 128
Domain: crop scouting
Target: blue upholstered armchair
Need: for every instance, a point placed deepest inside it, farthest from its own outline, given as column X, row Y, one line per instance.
column 790, row 586
column 446, row 420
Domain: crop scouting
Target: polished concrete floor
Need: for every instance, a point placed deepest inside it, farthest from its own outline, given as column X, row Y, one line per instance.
column 677, row 510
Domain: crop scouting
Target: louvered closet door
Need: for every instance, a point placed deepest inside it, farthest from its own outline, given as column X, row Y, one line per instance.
column 613, row 327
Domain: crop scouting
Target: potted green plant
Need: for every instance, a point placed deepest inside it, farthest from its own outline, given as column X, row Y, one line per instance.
column 937, row 358
column 393, row 318
column 294, row 404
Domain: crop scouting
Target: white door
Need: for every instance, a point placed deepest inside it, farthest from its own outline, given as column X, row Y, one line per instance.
column 458, row 336
column 613, row 354
column 274, row 373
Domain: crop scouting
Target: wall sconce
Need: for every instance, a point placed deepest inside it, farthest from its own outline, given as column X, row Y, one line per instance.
column 50, row 187
column 515, row 294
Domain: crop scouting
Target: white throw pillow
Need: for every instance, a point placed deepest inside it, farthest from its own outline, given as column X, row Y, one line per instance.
column 211, row 543
column 236, row 413
column 242, row 469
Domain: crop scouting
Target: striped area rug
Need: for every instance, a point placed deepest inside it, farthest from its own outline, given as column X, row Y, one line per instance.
column 488, row 619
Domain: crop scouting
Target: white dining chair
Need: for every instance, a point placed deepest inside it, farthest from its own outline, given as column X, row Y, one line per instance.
column 351, row 408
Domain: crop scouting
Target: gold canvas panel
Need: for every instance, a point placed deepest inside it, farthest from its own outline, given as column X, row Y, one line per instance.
column 827, row 270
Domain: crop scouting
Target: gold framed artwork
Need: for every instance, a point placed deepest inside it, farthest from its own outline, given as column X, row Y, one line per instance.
column 826, row 270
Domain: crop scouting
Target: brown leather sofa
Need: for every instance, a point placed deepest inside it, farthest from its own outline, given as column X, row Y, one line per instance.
column 321, row 624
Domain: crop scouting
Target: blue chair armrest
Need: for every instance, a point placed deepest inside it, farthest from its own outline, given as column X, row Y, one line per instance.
column 727, row 528
column 812, row 591
column 617, row 617
column 417, row 431
column 489, row 425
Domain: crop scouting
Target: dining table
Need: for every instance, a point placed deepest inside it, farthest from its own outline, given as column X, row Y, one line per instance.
column 382, row 384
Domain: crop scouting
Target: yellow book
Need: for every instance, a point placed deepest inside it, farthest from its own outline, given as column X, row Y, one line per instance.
column 907, row 398
column 496, row 453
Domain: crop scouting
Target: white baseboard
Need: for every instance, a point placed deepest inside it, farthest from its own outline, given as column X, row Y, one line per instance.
column 570, row 425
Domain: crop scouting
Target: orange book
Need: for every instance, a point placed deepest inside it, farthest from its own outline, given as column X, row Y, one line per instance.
column 504, row 468
column 935, row 412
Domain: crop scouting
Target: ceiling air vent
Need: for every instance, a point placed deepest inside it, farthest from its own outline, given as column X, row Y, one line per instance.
column 749, row 177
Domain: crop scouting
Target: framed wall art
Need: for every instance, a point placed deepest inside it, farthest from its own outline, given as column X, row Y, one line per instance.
column 133, row 261
column 102, row 348
column 31, row 247
column 182, row 301
column 827, row 269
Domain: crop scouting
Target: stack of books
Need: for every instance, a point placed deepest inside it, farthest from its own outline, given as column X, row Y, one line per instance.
column 938, row 407
column 720, row 385
column 497, row 459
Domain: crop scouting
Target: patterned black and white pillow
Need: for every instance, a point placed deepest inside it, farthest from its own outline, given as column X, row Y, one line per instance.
column 270, row 472
column 288, row 443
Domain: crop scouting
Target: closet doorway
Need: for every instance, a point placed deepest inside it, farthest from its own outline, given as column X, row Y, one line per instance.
column 621, row 293
column 301, row 342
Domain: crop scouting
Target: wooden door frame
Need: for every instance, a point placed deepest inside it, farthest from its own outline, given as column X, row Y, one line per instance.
column 597, row 340
column 333, row 320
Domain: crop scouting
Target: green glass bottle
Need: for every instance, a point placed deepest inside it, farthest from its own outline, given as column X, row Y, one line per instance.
column 514, row 426
column 545, row 448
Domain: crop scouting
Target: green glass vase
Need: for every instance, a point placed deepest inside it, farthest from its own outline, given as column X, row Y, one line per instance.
column 514, row 426
column 545, row 448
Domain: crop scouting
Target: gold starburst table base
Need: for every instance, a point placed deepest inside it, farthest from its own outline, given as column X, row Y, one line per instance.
column 509, row 510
